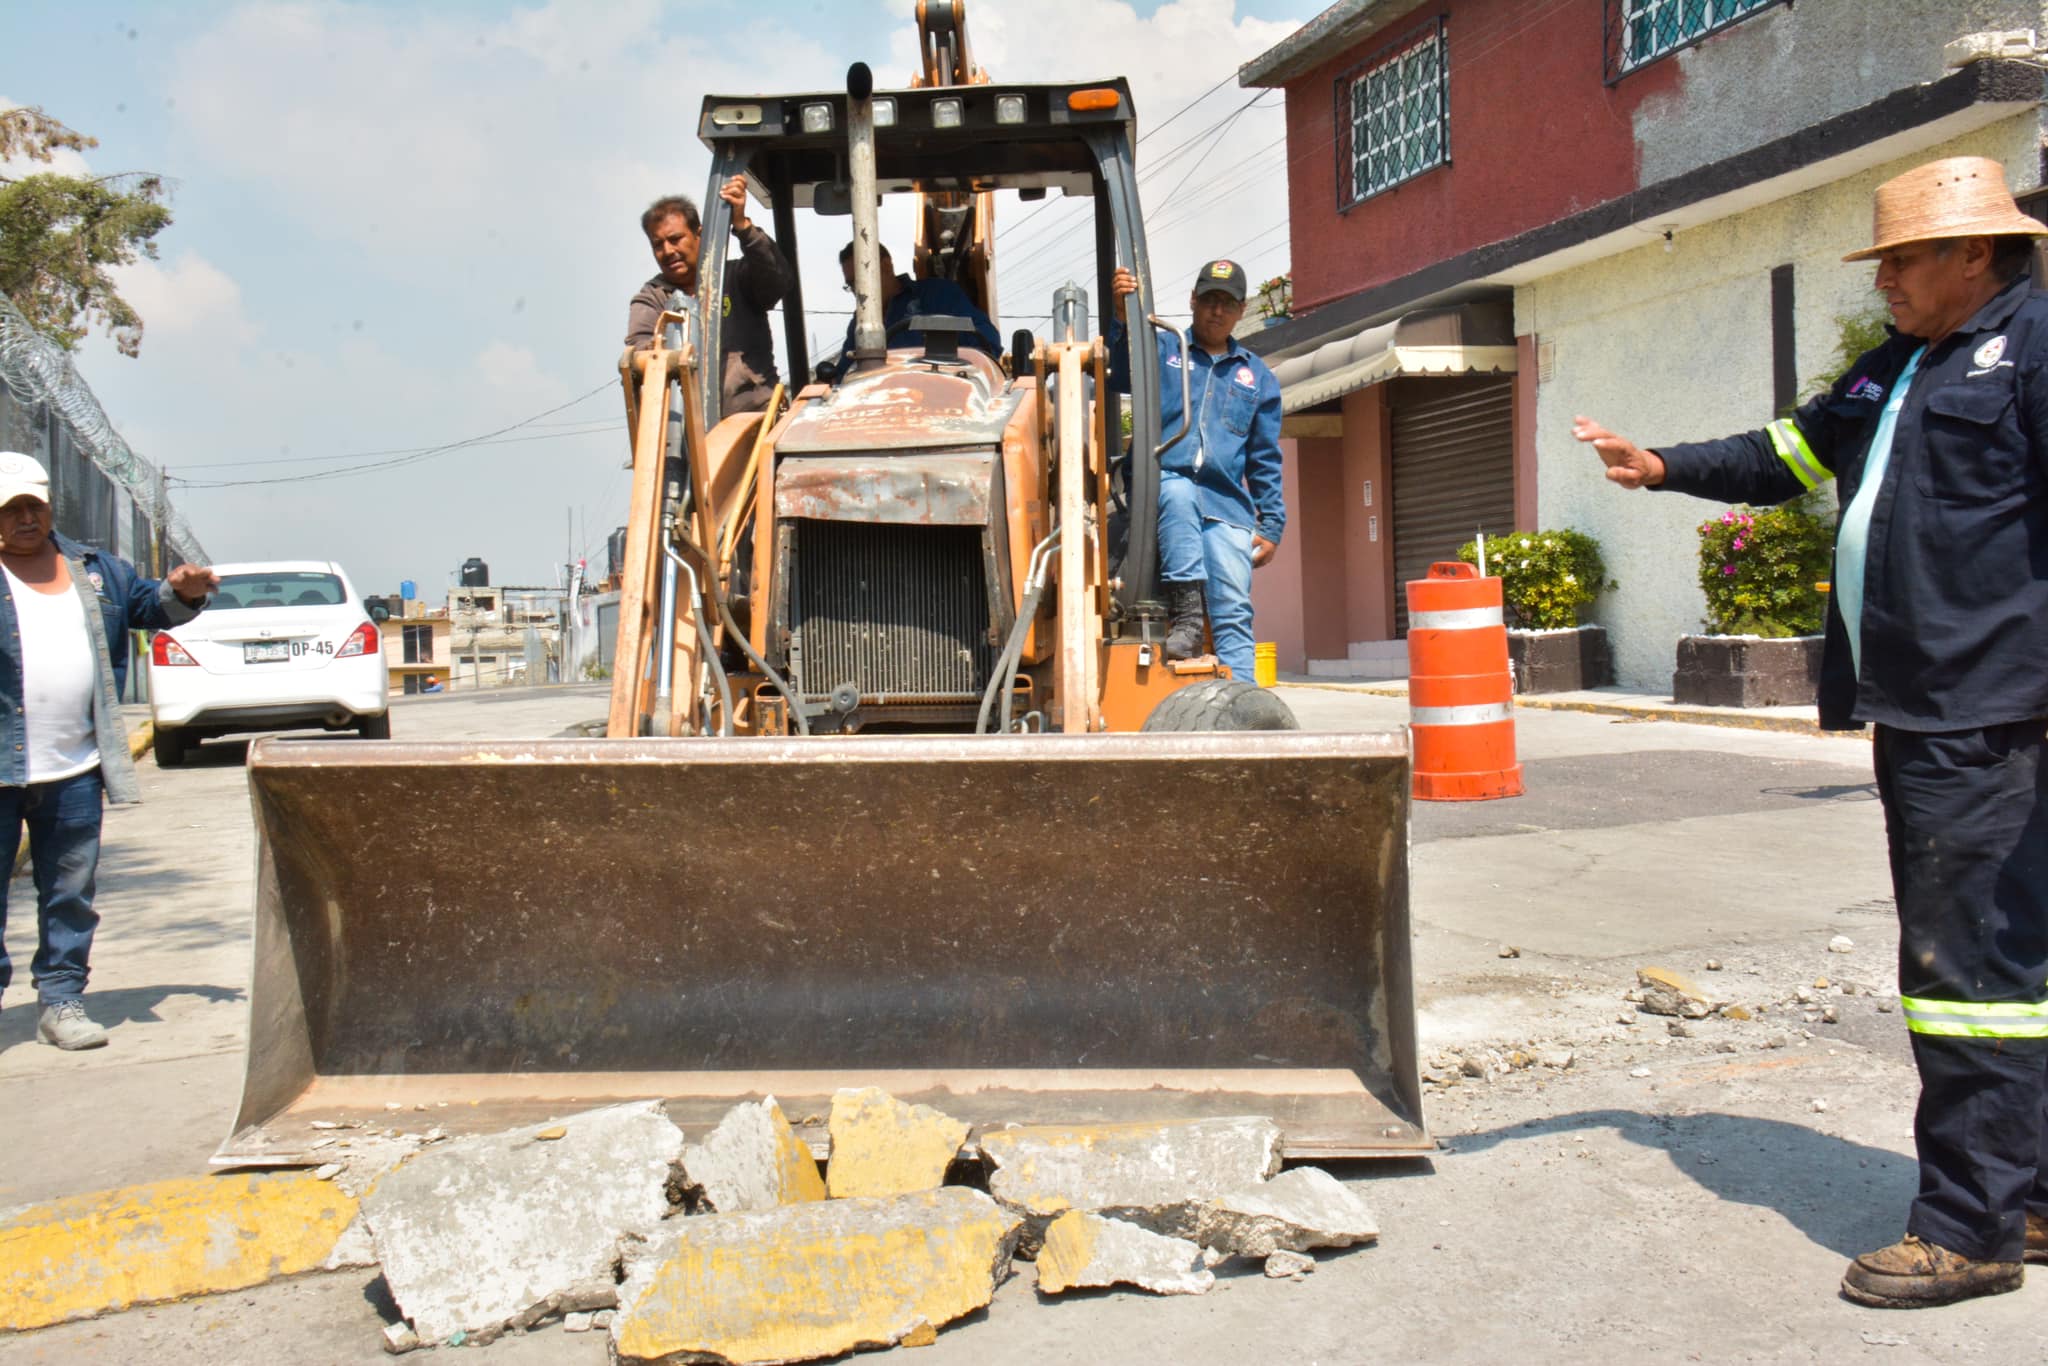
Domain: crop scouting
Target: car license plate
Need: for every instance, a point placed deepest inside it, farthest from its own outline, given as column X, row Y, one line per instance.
column 265, row 651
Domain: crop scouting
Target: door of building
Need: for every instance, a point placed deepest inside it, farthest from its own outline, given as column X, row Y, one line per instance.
column 1453, row 471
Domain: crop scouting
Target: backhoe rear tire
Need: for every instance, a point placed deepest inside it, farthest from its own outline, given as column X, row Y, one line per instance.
column 1222, row 704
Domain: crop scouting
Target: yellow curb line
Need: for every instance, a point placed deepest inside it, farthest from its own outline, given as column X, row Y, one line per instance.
column 1737, row 720
column 115, row 1249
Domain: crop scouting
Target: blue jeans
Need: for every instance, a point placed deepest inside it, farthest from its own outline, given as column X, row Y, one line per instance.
column 63, row 820
column 1198, row 549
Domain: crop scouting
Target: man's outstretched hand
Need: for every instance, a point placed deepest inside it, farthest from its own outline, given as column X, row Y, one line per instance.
column 1628, row 464
column 1122, row 286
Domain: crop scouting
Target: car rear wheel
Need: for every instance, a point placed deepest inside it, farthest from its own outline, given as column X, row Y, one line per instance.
column 169, row 747
column 375, row 727
column 1221, row 704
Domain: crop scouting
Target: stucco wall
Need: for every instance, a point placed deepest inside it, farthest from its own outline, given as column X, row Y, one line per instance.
column 1793, row 66
column 1675, row 346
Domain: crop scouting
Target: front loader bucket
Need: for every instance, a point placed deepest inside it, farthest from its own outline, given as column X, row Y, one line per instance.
column 1037, row 929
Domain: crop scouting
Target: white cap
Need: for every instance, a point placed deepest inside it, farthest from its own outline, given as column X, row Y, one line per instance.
column 22, row 474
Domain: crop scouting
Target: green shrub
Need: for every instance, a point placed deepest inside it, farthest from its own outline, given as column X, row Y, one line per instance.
column 1761, row 569
column 1545, row 576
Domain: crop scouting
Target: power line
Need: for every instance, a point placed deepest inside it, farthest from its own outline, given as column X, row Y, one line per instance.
column 585, row 428
column 409, row 458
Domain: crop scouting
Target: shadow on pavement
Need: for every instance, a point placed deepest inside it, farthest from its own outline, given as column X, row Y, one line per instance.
column 124, row 1005
column 1845, row 1196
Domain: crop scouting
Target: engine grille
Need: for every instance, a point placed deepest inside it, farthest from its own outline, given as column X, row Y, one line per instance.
column 897, row 610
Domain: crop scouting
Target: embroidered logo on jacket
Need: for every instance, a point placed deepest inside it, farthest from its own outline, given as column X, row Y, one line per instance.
column 1867, row 389
column 1173, row 361
column 1246, row 378
column 99, row 585
column 1988, row 354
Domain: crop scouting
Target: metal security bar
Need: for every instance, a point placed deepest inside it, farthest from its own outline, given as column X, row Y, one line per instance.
column 1636, row 32
column 1393, row 115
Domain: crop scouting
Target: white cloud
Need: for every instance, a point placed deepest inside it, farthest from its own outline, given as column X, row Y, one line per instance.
column 190, row 299
column 401, row 226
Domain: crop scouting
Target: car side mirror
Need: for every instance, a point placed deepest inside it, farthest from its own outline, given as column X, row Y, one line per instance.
column 380, row 613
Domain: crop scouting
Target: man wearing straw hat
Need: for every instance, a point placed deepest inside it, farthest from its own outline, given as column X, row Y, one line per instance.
column 1937, row 635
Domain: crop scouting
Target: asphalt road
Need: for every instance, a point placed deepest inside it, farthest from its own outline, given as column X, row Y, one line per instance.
column 1671, row 1198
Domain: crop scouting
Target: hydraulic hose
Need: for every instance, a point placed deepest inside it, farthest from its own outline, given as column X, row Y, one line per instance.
column 775, row 680
column 1002, row 676
column 711, row 659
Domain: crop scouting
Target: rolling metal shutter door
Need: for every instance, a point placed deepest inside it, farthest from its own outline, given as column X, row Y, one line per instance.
column 1454, row 472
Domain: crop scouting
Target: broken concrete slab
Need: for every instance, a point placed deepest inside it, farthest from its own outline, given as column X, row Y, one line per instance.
column 479, row 1232
column 813, row 1280
column 1297, row 1210
column 881, row 1146
column 753, row 1160
column 1087, row 1251
column 169, row 1240
column 1290, row 1266
column 1046, row 1170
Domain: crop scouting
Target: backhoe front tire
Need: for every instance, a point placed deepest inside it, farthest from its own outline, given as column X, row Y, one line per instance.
column 1222, row 704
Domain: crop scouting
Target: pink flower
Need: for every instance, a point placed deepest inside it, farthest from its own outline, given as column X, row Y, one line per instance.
column 1727, row 569
column 1740, row 543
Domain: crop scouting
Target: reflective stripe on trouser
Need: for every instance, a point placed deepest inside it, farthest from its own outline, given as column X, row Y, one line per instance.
column 1966, row 820
column 1790, row 444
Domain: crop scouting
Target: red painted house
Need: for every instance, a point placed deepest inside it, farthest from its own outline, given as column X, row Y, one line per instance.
column 1505, row 211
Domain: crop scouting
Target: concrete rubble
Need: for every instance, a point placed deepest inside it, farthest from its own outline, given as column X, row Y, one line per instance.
column 506, row 1230
column 1291, row 1266
column 753, row 1160
column 813, row 1280
column 1044, row 1171
column 1295, row 1211
column 1087, row 1251
column 881, row 1146
column 1663, row 991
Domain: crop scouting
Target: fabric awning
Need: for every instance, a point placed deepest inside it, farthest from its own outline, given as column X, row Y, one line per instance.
column 1470, row 339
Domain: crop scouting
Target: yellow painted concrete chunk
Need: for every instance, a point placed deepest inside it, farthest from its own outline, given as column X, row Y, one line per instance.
column 753, row 1160
column 88, row 1254
column 880, row 1146
column 813, row 1280
column 1084, row 1251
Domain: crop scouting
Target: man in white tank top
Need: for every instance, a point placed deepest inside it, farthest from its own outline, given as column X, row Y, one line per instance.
column 65, row 613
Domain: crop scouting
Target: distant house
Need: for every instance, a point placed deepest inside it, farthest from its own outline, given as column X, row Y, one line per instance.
column 1505, row 213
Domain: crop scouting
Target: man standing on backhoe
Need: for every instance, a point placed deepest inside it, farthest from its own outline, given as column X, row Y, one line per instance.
column 1938, row 635
column 753, row 284
column 1221, row 511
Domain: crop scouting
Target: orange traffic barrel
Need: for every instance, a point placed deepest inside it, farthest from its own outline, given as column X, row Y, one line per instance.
column 1461, row 698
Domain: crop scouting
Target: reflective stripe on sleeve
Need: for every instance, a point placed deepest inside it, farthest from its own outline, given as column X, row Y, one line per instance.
column 1976, row 1019
column 1790, row 443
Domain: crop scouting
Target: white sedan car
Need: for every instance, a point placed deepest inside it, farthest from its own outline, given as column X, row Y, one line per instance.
column 284, row 645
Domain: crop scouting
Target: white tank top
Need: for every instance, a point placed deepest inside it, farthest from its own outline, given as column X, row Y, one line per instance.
column 59, row 674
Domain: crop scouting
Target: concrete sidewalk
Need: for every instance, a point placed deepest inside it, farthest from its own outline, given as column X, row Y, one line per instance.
column 1605, row 702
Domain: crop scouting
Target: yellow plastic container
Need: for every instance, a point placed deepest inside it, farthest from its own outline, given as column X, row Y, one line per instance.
column 1266, row 663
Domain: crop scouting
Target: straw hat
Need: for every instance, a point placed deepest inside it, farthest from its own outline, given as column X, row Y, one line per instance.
column 1954, row 197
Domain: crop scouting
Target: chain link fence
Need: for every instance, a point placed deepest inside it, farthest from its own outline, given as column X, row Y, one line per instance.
column 49, row 411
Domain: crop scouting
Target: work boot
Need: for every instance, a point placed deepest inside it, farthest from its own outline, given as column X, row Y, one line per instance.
column 1913, row 1274
column 1184, row 627
column 2037, row 1238
column 66, row 1025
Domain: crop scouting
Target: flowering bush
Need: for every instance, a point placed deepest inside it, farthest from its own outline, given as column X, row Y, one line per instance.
column 1276, row 297
column 1761, row 569
column 1545, row 576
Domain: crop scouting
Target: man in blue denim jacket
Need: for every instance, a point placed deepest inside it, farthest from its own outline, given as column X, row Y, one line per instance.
column 65, row 614
column 1221, row 511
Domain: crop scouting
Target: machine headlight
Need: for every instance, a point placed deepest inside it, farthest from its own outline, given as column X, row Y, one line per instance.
column 885, row 113
column 946, row 113
column 1009, row 109
column 817, row 118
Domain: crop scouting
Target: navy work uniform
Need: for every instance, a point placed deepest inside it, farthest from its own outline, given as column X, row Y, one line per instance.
column 1937, row 634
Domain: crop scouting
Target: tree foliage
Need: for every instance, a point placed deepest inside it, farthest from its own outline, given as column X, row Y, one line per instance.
column 60, row 235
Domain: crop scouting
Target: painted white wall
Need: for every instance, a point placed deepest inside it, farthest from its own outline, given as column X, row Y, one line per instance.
column 1676, row 346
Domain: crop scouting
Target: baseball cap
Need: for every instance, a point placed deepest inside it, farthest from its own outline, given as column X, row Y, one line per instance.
column 1221, row 276
column 22, row 474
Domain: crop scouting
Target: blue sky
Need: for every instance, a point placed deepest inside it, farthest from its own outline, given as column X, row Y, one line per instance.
column 403, row 225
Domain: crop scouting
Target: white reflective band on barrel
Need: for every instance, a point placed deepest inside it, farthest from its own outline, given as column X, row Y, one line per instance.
column 1461, row 619
column 1481, row 714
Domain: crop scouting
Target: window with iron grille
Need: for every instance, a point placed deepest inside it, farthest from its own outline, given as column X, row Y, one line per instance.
column 1640, row 31
column 1393, row 116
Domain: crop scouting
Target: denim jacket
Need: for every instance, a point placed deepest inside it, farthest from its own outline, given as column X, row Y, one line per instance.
column 117, row 600
column 1233, row 455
